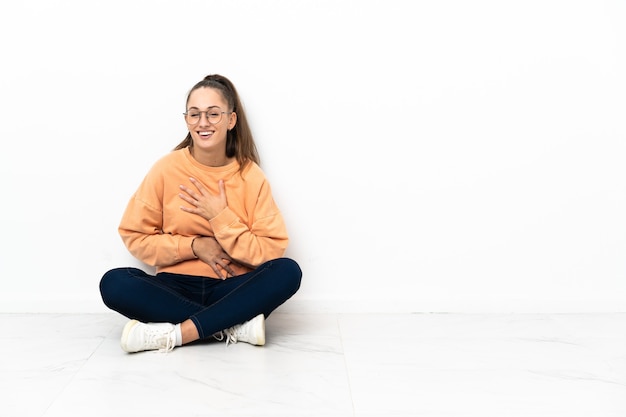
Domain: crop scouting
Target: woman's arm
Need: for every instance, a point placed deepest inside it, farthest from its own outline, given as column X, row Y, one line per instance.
column 141, row 231
column 263, row 237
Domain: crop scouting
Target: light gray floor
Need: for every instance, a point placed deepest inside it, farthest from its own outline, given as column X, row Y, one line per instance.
column 323, row 365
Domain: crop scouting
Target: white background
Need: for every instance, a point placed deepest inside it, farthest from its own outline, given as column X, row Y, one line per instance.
column 429, row 156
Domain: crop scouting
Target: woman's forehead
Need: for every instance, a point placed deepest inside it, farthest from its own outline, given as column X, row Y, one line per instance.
column 206, row 97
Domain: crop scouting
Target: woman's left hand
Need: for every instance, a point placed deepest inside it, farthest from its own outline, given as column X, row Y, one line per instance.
column 202, row 202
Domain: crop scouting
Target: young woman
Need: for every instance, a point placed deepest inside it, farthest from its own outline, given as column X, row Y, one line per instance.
column 205, row 217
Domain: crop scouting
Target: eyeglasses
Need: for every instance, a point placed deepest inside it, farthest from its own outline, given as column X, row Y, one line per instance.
column 213, row 115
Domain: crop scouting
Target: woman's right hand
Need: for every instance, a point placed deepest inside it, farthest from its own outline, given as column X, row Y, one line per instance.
column 208, row 250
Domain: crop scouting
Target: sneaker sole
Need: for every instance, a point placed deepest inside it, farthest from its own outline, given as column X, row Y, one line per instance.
column 123, row 342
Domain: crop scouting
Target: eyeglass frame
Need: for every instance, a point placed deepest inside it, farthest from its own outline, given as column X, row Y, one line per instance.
column 206, row 115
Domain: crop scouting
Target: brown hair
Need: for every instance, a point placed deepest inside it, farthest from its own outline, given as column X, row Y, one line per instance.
column 239, row 140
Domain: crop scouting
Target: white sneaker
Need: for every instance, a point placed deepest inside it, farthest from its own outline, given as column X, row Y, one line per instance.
column 139, row 336
column 252, row 331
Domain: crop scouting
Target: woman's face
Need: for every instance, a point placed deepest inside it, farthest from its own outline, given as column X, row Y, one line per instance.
column 209, row 119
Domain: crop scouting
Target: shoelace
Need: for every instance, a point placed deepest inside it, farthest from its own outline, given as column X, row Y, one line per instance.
column 157, row 338
column 169, row 344
column 228, row 334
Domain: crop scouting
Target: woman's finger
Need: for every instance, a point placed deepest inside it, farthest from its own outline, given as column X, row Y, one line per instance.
column 188, row 199
column 228, row 269
column 217, row 270
column 198, row 185
column 190, row 192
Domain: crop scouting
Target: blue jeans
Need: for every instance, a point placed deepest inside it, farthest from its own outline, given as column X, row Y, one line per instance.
column 212, row 304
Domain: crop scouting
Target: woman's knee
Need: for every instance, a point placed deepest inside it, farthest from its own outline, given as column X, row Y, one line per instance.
column 291, row 273
column 108, row 285
column 112, row 285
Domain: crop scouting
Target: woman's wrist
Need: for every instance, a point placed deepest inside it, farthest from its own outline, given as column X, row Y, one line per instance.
column 192, row 249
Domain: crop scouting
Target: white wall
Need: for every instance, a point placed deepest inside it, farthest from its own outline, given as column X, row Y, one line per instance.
column 429, row 156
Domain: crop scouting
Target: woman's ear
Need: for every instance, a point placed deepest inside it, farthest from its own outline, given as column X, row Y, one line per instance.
column 232, row 121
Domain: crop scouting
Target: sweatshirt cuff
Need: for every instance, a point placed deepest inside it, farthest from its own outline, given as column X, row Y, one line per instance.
column 223, row 220
column 184, row 248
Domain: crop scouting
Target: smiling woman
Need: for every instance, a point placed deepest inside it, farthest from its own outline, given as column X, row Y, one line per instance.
column 223, row 107
column 204, row 215
column 208, row 133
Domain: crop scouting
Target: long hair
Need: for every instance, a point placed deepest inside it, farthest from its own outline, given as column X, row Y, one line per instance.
column 239, row 141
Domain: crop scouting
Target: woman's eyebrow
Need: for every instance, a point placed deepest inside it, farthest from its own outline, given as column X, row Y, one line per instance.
column 208, row 108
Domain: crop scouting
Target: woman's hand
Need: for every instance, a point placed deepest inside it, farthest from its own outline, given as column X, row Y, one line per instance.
column 202, row 202
column 208, row 250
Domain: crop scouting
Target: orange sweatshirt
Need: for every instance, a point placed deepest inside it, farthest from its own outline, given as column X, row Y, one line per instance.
column 156, row 231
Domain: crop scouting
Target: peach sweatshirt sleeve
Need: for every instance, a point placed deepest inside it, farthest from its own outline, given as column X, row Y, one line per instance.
column 141, row 228
column 264, row 237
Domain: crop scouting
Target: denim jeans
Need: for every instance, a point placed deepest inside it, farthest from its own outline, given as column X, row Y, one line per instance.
column 212, row 304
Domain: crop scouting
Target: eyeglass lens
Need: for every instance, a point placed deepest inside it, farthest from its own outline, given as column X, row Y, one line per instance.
column 213, row 115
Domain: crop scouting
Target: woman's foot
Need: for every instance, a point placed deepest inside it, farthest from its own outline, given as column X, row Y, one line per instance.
column 138, row 336
column 252, row 331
